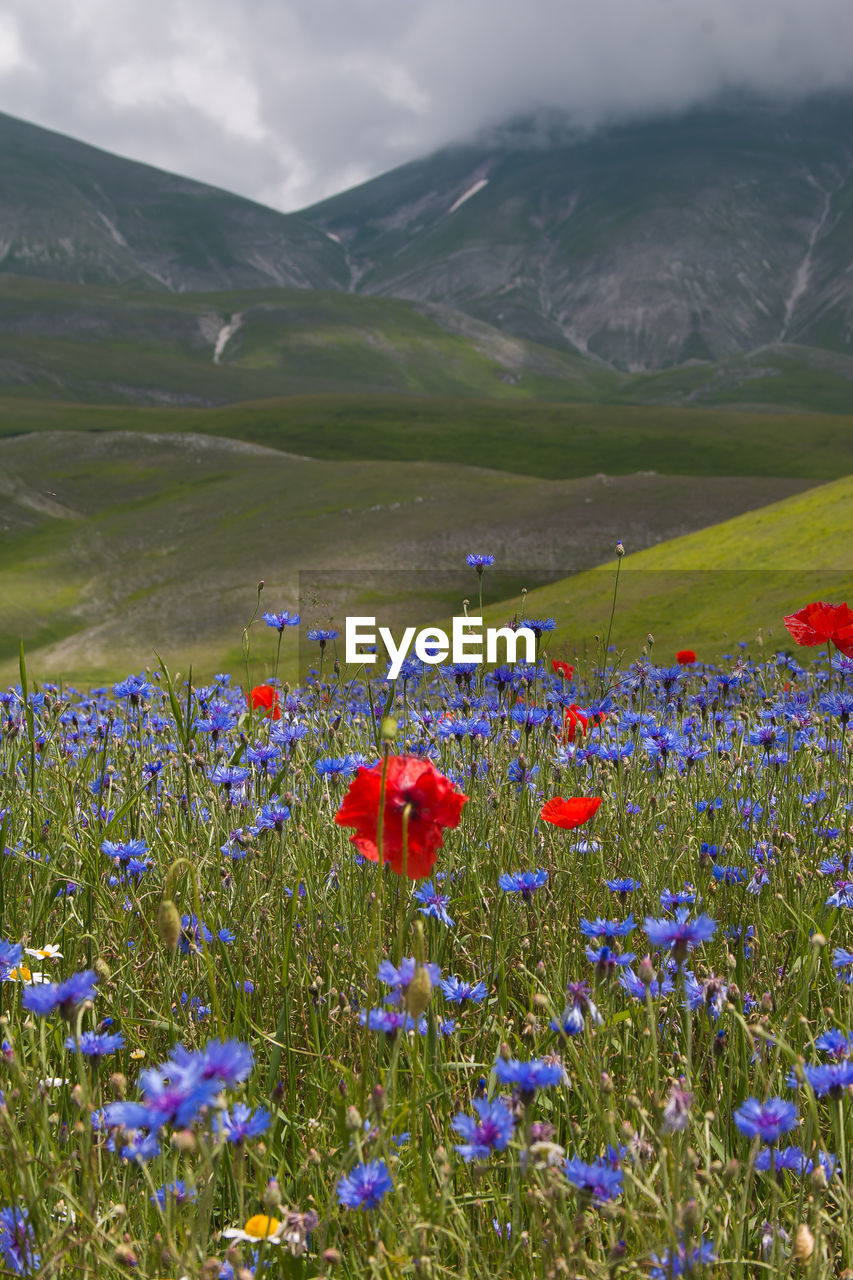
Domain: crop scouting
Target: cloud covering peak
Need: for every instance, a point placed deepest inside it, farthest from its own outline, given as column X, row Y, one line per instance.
column 288, row 101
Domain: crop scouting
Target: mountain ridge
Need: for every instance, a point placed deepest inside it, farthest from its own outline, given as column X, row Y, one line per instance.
column 70, row 211
column 643, row 246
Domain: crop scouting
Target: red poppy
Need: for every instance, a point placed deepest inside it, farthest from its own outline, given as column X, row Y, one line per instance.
column 574, row 720
column 685, row 657
column 265, row 698
column 570, row 813
column 819, row 623
column 434, row 803
column 564, row 669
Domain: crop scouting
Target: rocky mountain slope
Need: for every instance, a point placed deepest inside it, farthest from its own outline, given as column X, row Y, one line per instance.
column 696, row 236
column 71, row 212
column 650, row 245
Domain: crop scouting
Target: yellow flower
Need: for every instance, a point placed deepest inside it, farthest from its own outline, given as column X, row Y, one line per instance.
column 23, row 974
column 259, row 1227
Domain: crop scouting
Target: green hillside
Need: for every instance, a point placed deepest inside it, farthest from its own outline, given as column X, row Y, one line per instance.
column 113, row 544
column 547, row 440
column 114, row 346
column 712, row 588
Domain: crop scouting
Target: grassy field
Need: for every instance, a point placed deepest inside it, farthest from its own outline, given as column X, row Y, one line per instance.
column 551, row 441
column 121, row 346
column 112, row 545
column 713, row 588
column 111, row 345
column 271, row 1015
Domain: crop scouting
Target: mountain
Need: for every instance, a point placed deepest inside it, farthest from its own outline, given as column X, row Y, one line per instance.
column 695, row 236
column 71, row 212
column 686, row 242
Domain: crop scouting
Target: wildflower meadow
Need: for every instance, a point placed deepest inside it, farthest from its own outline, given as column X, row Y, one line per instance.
column 535, row 970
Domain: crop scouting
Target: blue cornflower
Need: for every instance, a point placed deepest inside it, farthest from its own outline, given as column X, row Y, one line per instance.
column 242, row 1123
column 523, row 775
column 177, row 1191
column 794, row 1160
column 322, row 635
column 606, row 960
column 10, row 957
column 766, row 1120
column 524, row 882
column 96, row 1045
column 262, row 756
column 134, row 687
column 842, row 963
column 365, row 1186
column 599, row 928
column 273, row 815
column 228, row 1061
column 834, row 1043
column 843, row 895
column 837, row 704
column 434, row 903
column 685, row 897
column 672, row 1263
column 577, row 1010
column 281, row 620
column 229, row 775
column 17, row 1241
column 218, row 720
column 124, row 850
column 479, row 562
column 829, row 1077
column 535, row 1073
column 457, row 991
column 399, row 978
column 389, row 1021
column 141, row 1148
column 539, row 626
column 192, row 932
column 599, row 1179
column 343, row 767
column 729, row 875
column 626, row 885
column 492, row 1132
column 64, row 996
column 529, row 716
column 681, row 934
column 637, row 990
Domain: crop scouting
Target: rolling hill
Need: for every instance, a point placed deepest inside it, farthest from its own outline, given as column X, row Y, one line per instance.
column 114, row 544
column 553, row 441
column 712, row 589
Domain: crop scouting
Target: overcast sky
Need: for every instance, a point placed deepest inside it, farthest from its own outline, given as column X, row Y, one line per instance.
column 288, row 101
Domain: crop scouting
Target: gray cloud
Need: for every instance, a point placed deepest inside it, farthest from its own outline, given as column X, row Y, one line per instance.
column 291, row 100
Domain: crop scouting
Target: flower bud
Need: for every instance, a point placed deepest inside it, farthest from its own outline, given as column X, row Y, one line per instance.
column 803, row 1244
column 353, row 1119
column 271, row 1198
column 419, row 992
column 168, row 924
